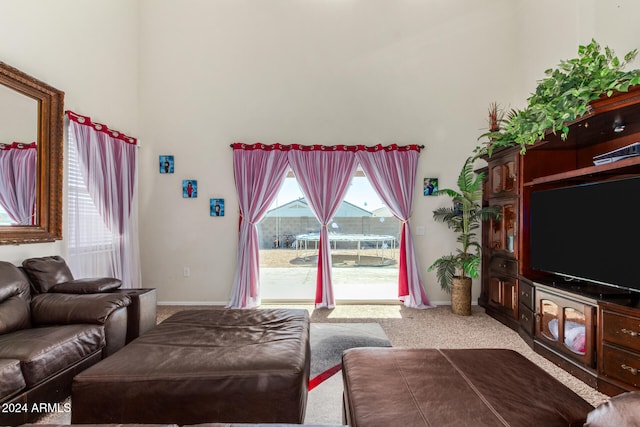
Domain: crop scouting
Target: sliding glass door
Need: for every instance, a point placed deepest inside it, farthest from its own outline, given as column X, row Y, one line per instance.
column 364, row 246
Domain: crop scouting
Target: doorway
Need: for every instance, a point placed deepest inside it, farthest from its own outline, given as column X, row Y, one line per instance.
column 364, row 246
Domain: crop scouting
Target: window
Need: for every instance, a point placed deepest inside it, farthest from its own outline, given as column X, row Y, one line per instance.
column 89, row 235
column 4, row 217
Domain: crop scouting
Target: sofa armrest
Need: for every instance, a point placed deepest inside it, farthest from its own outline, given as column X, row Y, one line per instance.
column 56, row 308
column 87, row 286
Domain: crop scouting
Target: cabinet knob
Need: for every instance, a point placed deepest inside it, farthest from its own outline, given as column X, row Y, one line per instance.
column 631, row 369
column 629, row 332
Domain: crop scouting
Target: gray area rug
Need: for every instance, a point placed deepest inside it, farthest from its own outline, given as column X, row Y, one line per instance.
column 329, row 340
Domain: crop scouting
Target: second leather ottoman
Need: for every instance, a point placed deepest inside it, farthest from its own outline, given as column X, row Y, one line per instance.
column 199, row 366
column 422, row 387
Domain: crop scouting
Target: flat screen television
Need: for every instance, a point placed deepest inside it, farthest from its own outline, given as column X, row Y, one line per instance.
column 588, row 232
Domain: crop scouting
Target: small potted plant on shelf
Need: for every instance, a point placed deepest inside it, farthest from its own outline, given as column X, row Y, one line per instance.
column 454, row 272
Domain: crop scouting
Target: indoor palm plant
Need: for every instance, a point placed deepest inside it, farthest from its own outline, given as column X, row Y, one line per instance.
column 455, row 271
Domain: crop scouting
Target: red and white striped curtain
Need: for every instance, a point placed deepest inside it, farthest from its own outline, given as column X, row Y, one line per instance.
column 324, row 173
column 18, row 181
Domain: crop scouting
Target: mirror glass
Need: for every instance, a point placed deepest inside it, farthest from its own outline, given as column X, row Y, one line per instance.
column 31, row 126
column 18, row 157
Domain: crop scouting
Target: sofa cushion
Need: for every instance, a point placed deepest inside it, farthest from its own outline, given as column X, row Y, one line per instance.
column 87, row 286
column 14, row 315
column 63, row 309
column 622, row 410
column 12, row 379
column 13, row 283
column 47, row 350
column 14, row 299
column 46, row 272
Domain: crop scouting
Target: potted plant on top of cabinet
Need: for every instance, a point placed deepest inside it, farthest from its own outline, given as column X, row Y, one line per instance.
column 563, row 96
column 454, row 272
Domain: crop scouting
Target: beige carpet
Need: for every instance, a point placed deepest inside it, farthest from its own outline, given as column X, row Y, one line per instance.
column 431, row 328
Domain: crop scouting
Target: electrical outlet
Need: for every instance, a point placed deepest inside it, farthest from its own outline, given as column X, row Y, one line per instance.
column 420, row 230
column 186, row 272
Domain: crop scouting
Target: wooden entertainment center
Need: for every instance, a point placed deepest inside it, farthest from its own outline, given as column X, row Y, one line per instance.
column 545, row 310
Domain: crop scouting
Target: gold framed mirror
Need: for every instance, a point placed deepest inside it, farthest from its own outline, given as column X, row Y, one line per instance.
column 45, row 223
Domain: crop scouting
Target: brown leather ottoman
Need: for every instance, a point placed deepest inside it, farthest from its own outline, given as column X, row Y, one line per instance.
column 470, row 387
column 261, row 425
column 174, row 425
column 202, row 366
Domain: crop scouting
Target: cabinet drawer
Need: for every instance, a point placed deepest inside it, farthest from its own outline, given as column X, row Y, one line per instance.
column 527, row 319
column 527, row 295
column 621, row 330
column 504, row 266
column 621, row 365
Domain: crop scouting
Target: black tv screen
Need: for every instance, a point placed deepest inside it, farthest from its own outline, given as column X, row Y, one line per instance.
column 588, row 232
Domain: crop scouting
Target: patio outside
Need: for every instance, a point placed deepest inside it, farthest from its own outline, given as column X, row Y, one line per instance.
column 364, row 246
column 283, row 277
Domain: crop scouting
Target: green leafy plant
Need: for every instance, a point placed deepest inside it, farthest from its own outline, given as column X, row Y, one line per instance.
column 464, row 217
column 562, row 97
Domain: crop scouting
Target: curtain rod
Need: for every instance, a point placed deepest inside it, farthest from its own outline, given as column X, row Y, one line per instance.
column 421, row 146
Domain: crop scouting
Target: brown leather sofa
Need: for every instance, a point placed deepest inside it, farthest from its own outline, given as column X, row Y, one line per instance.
column 47, row 336
column 52, row 274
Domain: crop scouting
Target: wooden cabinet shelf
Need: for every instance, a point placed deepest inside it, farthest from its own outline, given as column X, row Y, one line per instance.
column 499, row 294
column 566, row 328
column 626, row 166
column 619, row 348
column 571, row 325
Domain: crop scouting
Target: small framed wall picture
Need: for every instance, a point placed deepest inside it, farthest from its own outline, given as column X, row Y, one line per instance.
column 216, row 207
column 430, row 186
column 189, row 188
column 166, row 164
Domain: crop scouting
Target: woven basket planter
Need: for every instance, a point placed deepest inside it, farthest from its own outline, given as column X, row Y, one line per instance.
column 461, row 296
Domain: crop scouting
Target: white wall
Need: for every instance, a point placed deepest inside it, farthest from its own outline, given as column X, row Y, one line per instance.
column 552, row 30
column 20, row 113
column 327, row 72
column 188, row 77
column 86, row 48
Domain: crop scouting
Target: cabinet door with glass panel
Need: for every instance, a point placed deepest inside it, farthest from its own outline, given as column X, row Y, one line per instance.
column 503, row 294
column 503, row 231
column 503, row 174
column 566, row 325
